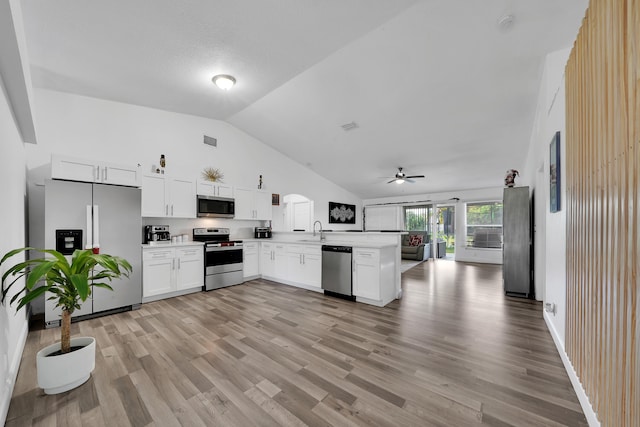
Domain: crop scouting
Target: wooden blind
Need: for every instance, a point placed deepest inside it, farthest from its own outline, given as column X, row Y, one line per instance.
column 603, row 152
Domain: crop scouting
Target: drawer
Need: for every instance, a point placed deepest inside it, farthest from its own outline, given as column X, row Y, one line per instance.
column 192, row 252
column 312, row 250
column 364, row 255
column 151, row 254
column 295, row 249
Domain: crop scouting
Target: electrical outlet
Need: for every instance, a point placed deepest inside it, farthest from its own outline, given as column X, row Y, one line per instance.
column 550, row 307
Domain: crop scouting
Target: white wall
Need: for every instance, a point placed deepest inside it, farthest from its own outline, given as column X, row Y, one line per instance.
column 462, row 253
column 13, row 326
column 550, row 235
column 111, row 131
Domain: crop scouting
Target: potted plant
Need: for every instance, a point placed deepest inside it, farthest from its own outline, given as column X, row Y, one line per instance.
column 69, row 363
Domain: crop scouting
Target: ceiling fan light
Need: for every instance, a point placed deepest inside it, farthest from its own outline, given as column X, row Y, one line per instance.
column 224, row 81
column 399, row 181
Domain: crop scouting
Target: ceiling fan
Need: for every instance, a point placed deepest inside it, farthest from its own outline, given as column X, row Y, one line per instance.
column 401, row 177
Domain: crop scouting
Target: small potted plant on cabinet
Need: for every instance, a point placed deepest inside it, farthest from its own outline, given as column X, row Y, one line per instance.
column 67, row 364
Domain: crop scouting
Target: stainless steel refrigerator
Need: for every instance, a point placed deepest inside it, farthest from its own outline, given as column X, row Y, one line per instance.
column 516, row 249
column 107, row 217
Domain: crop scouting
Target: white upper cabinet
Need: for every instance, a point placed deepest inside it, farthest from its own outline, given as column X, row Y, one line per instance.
column 154, row 196
column 165, row 196
column 214, row 189
column 75, row 169
column 383, row 218
column 252, row 204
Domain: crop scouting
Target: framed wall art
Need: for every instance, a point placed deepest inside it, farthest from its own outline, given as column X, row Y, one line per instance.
column 554, row 173
column 342, row 213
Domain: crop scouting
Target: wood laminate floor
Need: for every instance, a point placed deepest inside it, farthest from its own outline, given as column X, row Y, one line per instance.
column 453, row 352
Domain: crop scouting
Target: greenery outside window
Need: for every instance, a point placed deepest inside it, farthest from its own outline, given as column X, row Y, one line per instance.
column 484, row 225
column 418, row 218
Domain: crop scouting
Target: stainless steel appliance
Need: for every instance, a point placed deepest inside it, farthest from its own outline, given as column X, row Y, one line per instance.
column 223, row 258
column 262, row 232
column 336, row 271
column 516, row 252
column 105, row 218
column 215, row 207
column 156, row 234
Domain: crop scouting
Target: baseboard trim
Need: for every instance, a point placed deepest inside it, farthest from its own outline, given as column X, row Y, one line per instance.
column 14, row 366
column 589, row 413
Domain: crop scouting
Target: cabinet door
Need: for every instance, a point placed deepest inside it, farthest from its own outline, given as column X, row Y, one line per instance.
column 383, row 218
column 295, row 268
column 366, row 275
column 73, row 169
column 190, row 268
column 158, row 272
column 251, row 266
column 205, row 188
column 182, row 194
column 154, row 196
column 119, row 174
column 244, row 203
column 224, row 190
column 267, row 261
column 312, row 263
column 280, row 261
column 263, row 207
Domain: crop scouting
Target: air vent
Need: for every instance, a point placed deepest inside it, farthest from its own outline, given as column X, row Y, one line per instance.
column 210, row 141
column 349, row 126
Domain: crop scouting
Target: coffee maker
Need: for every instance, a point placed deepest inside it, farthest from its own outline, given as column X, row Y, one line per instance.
column 156, row 234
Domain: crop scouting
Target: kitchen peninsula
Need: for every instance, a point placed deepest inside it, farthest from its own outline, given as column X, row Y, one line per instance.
column 295, row 258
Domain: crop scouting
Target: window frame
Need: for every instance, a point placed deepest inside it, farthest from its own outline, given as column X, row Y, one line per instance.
column 469, row 241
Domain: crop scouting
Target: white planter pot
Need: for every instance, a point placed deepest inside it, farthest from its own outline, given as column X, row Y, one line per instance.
column 57, row 374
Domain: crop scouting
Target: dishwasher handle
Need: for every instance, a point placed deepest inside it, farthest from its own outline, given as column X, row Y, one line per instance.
column 334, row 248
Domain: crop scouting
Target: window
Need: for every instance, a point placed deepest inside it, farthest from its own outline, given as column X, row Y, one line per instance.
column 418, row 218
column 484, row 225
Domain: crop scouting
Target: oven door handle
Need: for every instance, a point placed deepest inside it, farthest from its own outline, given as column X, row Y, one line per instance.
column 223, row 248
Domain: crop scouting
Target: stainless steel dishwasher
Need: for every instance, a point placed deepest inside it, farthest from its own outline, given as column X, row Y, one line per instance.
column 336, row 271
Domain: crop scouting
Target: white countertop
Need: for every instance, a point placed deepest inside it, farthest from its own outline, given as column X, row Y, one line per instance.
column 354, row 244
column 159, row 245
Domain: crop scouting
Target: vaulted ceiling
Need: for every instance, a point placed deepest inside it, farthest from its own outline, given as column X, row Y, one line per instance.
column 438, row 87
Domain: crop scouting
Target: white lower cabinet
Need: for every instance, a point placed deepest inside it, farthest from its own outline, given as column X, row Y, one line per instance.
column 273, row 260
column 300, row 265
column 190, row 268
column 373, row 275
column 366, row 273
column 251, row 265
column 304, row 265
column 171, row 271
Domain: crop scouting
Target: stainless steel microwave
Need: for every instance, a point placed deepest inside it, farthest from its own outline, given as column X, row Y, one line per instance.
column 216, row 207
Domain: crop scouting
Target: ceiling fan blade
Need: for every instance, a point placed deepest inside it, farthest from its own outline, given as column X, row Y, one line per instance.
column 393, row 180
column 415, row 176
column 409, row 180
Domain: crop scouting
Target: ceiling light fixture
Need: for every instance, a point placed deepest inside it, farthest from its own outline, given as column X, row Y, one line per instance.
column 224, row 81
column 399, row 181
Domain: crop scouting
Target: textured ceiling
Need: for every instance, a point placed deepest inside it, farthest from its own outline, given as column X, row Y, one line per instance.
column 435, row 86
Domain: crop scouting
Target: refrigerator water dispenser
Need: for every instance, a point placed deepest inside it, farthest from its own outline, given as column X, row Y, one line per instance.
column 68, row 241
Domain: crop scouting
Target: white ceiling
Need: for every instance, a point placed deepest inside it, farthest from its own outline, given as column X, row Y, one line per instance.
column 435, row 86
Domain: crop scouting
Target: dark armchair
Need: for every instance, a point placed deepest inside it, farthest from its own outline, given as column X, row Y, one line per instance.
column 418, row 252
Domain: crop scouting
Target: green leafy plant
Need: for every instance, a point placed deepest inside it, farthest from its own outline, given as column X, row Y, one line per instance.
column 69, row 284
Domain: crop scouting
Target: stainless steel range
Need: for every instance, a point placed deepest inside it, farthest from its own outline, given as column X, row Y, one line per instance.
column 222, row 257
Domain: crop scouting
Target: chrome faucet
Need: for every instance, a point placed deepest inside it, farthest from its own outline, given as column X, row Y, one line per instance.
column 322, row 238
